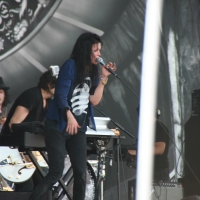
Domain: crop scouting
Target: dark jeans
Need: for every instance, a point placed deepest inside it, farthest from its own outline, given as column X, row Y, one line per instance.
column 26, row 186
column 55, row 145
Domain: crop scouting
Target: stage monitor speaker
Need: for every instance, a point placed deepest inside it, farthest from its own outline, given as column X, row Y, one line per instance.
column 192, row 156
column 161, row 191
column 192, row 198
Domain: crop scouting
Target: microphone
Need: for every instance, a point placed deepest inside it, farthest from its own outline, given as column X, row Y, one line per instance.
column 100, row 61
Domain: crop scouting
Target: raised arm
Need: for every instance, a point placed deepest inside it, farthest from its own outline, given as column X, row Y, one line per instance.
column 96, row 97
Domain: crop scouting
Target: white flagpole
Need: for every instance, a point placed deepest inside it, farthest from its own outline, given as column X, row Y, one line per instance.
column 148, row 98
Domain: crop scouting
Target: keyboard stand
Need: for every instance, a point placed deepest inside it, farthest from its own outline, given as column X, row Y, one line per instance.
column 27, row 142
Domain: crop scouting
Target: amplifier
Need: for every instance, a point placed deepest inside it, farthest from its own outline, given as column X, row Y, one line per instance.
column 167, row 191
column 161, row 191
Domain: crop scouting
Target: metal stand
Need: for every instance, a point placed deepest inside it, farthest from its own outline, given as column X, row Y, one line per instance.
column 101, row 166
column 118, row 170
column 101, row 172
column 118, row 138
column 101, row 150
column 61, row 182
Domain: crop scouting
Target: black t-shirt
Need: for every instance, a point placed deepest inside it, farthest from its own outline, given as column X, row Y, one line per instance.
column 161, row 161
column 78, row 100
column 32, row 100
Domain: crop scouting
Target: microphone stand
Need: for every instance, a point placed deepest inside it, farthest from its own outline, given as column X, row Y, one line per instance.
column 118, row 167
column 113, row 73
column 117, row 124
column 100, row 61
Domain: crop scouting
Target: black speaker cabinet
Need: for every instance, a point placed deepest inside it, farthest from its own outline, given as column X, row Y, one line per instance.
column 192, row 156
column 196, row 101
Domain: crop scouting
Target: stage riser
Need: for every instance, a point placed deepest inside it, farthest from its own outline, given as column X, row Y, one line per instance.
column 192, row 198
column 21, row 196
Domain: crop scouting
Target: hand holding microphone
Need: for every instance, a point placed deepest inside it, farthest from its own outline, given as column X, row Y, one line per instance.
column 111, row 67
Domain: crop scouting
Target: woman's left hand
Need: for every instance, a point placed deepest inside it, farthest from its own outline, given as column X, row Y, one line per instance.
column 105, row 72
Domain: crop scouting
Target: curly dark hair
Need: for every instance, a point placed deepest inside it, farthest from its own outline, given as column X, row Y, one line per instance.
column 6, row 99
column 45, row 80
column 81, row 53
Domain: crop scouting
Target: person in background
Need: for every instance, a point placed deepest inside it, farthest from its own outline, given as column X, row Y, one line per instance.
column 30, row 106
column 4, row 100
column 80, row 85
column 161, row 147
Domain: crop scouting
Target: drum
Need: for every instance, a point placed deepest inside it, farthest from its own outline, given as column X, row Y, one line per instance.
column 69, row 182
